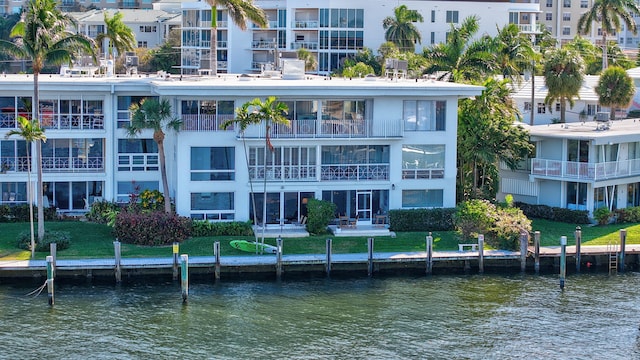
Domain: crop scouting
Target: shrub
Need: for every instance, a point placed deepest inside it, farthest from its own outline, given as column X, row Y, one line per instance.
column 156, row 228
column 602, row 215
column 101, row 211
column 438, row 219
column 554, row 213
column 20, row 213
column 319, row 213
column 221, row 228
column 628, row 215
column 61, row 238
column 510, row 223
column 474, row 217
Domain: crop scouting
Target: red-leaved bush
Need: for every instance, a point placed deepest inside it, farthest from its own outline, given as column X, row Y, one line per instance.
column 155, row 228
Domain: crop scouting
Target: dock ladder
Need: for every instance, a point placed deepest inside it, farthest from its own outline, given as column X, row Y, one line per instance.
column 612, row 250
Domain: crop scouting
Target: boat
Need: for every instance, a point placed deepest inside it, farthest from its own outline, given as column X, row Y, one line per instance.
column 253, row 246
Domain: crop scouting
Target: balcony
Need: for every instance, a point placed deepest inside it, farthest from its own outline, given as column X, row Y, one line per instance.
column 283, row 173
column 128, row 4
column 72, row 121
column 582, row 171
column 263, row 44
column 328, row 128
column 354, row 172
column 309, row 45
column 204, row 122
column 14, row 164
column 304, row 24
column 72, row 164
column 530, row 29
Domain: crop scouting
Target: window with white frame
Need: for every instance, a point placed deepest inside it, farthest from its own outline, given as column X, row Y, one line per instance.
column 137, row 155
column 422, row 198
column 148, row 28
column 128, row 188
column 542, row 108
column 212, row 163
column 286, row 163
column 592, row 109
column 527, row 106
column 584, row 4
column 566, row 3
column 423, row 161
column 424, row 115
column 549, row 16
column 142, row 44
column 566, row 16
column 557, row 106
column 452, row 17
column 549, row 3
column 213, row 206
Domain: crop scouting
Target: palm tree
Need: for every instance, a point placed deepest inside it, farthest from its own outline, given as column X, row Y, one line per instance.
column 563, row 76
column 256, row 112
column 121, row 38
column 400, row 29
column 615, row 89
column 43, row 36
column 513, row 52
column 461, row 59
column 240, row 11
column 155, row 115
column 310, row 61
column 30, row 131
column 608, row 13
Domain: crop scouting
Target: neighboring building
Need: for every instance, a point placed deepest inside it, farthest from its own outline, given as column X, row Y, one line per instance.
column 585, row 105
column 367, row 145
column 581, row 166
column 330, row 30
column 150, row 27
column 561, row 18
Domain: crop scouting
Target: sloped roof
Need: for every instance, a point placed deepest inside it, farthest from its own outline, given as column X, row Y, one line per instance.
column 587, row 91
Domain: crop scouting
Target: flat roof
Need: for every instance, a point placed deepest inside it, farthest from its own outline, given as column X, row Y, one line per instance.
column 616, row 131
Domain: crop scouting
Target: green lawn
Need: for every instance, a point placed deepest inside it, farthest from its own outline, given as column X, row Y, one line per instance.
column 90, row 240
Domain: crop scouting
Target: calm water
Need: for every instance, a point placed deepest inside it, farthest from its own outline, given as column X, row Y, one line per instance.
column 452, row 317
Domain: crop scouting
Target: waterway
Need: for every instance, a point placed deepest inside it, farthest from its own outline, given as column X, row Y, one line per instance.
column 439, row 317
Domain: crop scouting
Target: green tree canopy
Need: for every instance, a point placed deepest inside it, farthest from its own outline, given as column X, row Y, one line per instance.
column 120, row 37
column 400, row 29
column 563, row 76
column 615, row 89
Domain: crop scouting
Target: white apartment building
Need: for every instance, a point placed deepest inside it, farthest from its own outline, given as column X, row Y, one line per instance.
column 331, row 30
column 367, row 145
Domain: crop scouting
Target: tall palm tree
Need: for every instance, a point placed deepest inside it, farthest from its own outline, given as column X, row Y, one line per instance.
column 310, row 61
column 240, row 11
column 31, row 132
column 563, row 76
column 43, row 36
column 155, row 115
column 400, row 29
column 512, row 52
column 609, row 13
column 615, row 89
column 460, row 59
column 121, row 38
column 256, row 112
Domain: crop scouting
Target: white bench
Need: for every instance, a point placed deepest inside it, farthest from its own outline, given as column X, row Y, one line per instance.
column 472, row 247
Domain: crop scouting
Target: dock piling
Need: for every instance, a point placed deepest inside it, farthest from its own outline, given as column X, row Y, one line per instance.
column 176, row 249
column 184, row 276
column 370, row 256
column 279, row 258
column 216, row 255
column 481, row 254
column 53, row 250
column 50, row 276
column 623, row 244
column 578, row 236
column 118, row 257
column 329, row 249
column 429, row 240
column 524, row 250
column 563, row 260
column 536, row 251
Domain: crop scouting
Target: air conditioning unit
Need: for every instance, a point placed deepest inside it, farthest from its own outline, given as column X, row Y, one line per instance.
column 603, row 116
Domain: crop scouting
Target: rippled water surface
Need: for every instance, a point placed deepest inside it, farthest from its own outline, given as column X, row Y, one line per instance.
column 452, row 317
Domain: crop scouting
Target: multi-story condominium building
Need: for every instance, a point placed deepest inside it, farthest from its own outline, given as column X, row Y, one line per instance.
column 581, row 166
column 150, row 27
column 330, row 30
column 561, row 18
column 367, row 145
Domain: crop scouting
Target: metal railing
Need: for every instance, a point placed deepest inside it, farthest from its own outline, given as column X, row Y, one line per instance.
column 362, row 128
column 309, row 45
column 302, row 24
column 349, row 172
column 72, row 164
column 72, row 121
column 283, row 172
column 585, row 170
column 205, row 122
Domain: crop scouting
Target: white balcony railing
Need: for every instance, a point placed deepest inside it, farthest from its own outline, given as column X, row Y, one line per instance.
column 303, row 24
column 309, row 45
column 204, row 122
column 284, row 173
column 350, row 172
column 72, row 164
column 583, row 170
column 529, row 28
column 362, row 128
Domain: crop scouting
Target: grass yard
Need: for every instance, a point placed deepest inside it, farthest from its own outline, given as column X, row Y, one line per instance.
column 89, row 240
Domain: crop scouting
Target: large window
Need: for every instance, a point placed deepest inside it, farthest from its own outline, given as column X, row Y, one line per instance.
column 74, row 195
column 452, row 17
column 576, row 196
column 206, row 115
column 124, row 104
column 212, row 206
column 128, row 188
column 212, row 163
column 13, row 155
column 423, row 161
column 13, row 192
column 424, row 115
column 342, row 18
column 73, row 154
column 422, row 198
column 137, row 155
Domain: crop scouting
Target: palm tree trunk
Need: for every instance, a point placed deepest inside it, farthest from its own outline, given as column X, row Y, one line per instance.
column 163, row 173
column 30, row 199
column 38, row 197
column 605, row 60
column 213, row 55
column 264, row 203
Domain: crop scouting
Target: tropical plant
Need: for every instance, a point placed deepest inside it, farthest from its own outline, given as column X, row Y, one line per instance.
column 609, row 13
column 31, row 132
column 400, row 29
column 357, row 70
column 615, row 89
column 43, row 36
column 256, row 112
column 155, row 115
column 240, row 11
column 166, row 56
column 487, row 136
column 563, row 76
column 512, row 52
column 591, row 54
column 120, row 37
column 461, row 59
column 310, row 62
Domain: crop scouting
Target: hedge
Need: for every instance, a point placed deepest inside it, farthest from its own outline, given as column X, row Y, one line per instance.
column 155, row 228
column 438, row 219
column 554, row 213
